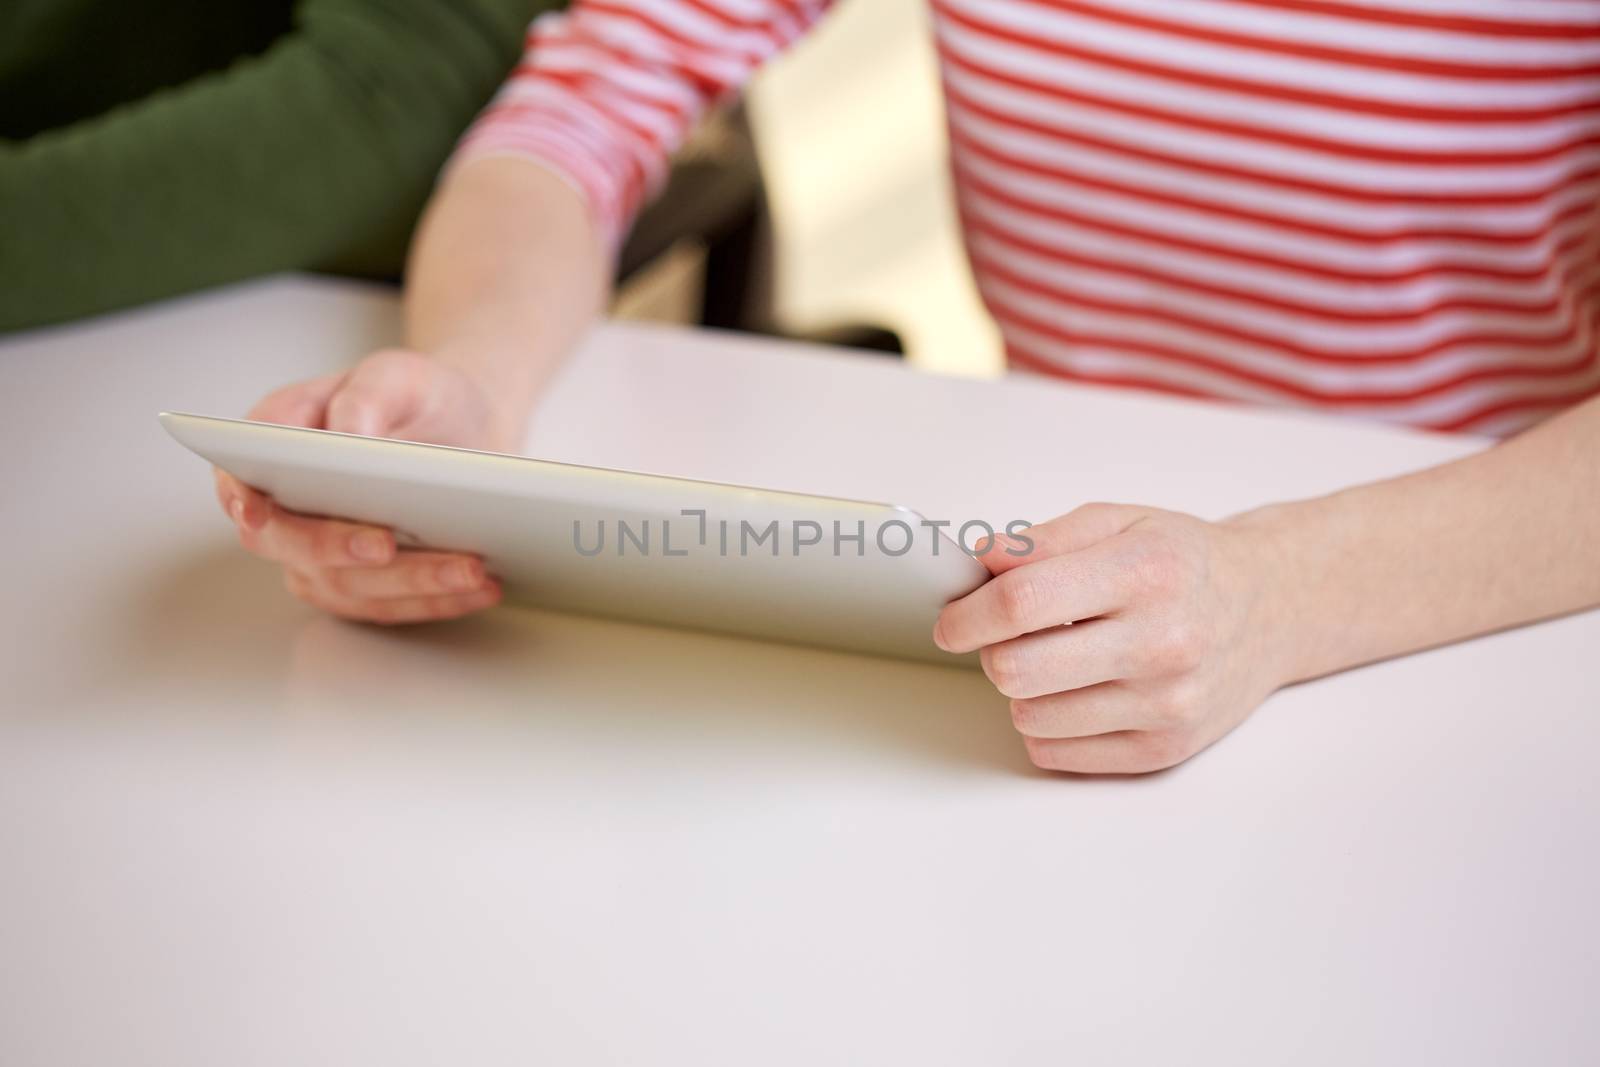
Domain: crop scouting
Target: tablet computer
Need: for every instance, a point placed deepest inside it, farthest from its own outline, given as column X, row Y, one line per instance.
column 762, row 563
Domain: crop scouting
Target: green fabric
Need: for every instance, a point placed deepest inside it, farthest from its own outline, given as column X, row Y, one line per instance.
column 157, row 147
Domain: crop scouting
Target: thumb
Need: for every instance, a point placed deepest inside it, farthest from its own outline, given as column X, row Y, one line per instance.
column 301, row 404
column 1004, row 552
column 1072, row 532
column 358, row 411
column 374, row 400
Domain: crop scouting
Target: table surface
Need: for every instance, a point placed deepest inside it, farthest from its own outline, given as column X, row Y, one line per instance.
column 236, row 832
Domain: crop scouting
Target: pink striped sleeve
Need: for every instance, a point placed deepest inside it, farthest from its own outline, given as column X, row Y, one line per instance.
column 609, row 89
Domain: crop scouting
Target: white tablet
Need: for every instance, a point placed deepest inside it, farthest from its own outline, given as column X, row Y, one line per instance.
column 673, row 551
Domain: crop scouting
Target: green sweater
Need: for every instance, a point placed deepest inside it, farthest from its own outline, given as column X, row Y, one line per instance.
column 151, row 148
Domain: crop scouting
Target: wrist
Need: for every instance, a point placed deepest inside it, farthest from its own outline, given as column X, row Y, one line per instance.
column 1288, row 609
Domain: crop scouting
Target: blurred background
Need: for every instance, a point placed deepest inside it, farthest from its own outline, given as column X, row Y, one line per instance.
column 857, row 241
column 157, row 149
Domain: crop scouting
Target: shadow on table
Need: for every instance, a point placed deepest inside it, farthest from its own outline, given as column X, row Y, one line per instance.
column 221, row 626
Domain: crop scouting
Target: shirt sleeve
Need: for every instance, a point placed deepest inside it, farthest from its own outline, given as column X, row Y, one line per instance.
column 317, row 153
column 609, row 89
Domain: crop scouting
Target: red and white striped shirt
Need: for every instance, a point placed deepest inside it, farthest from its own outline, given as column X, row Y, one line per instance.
column 1385, row 208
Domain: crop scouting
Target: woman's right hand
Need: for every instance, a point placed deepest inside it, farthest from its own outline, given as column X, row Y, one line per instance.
column 354, row 570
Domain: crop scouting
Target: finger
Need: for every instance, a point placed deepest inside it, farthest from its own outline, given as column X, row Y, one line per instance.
column 1129, row 752
column 247, row 507
column 1073, row 532
column 1072, row 657
column 306, row 543
column 1043, row 593
column 1108, row 707
column 228, row 489
column 301, row 404
column 408, row 610
column 411, row 574
column 378, row 396
column 393, row 610
column 1003, row 552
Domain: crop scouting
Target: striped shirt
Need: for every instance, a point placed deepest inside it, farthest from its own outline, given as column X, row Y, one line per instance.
column 1382, row 208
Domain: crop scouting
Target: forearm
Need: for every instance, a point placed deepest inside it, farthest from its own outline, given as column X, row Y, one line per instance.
column 1504, row 537
column 506, row 273
column 511, row 263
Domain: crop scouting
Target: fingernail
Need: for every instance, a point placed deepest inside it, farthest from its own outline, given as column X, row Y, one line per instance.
column 459, row 574
column 370, row 545
column 938, row 634
column 249, row 518
column 989, row 542
column 1009, row 543
column 364, row 420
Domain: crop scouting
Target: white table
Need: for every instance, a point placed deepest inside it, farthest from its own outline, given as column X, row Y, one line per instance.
column 233, row 832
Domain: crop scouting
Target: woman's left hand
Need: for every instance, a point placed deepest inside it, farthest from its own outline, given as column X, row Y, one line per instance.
column 1173, row 637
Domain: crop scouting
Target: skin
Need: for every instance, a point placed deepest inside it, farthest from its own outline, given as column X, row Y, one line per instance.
column 1180, row 627
column 1128, row 639
column 505, row 275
